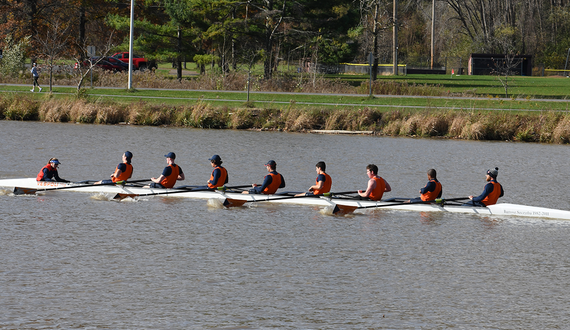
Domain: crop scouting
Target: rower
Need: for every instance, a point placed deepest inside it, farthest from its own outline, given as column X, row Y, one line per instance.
column 271, row 182
column 377, row 186
column 432, row 189
column 170, row 174
column 123, row 171
column 322, row 184
column 219, row 175
column 491, row 193
column 49, row 172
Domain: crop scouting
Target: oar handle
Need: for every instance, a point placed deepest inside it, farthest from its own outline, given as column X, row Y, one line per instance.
column 222, row 188
column 133, row 181
column 443, row 200
column 331, row 194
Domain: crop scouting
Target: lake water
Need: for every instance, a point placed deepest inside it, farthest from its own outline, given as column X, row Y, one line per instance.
column 75, row 261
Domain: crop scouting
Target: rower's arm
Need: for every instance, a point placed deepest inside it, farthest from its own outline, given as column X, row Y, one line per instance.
column 266, row 182
column 319, row 184
column 158, row 180
column 216, row 173
column 117, row 173
column 371, row 186
column 488, row 189
column 388, row 188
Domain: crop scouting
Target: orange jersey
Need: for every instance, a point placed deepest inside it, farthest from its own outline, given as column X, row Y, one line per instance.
column 432, row 195
column 50, row 172
column 124, row 175
column 327, row 184
column 275, row 183
column 377, row 193
column 221, row 180
column 170, row 181
column 493, row 197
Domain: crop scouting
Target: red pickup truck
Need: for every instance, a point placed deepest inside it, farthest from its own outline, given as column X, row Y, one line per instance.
column 139, row 63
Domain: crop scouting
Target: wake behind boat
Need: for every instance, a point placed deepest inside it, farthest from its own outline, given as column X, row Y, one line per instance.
column 502, row 209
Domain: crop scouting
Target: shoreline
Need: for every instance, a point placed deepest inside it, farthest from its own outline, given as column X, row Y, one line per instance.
column 542, row 127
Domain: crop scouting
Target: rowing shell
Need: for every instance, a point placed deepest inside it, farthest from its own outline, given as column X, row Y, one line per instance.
column 497, row 209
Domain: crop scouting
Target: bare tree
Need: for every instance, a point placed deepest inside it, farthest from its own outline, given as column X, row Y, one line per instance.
column 53, row 44
column 85, row 64
column 375, row 20
column 505, row 66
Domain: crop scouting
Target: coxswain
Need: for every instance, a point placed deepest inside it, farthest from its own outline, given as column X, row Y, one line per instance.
column 432, row 189
column 219, row 175
column 170, row 174
column 322, row 184
column 377, row 186
column 271, row 182
column 491, row 193
column 123, row 171
column 49, row 172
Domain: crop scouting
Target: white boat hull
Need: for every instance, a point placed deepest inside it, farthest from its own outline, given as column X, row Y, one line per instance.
column 497, row 209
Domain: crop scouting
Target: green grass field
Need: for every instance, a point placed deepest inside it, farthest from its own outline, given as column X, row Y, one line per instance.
column 531, row 94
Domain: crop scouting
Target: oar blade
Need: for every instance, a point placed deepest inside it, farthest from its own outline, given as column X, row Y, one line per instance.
column 230, row 202
column 24, row 191
column 343, row 209
column 120, row 196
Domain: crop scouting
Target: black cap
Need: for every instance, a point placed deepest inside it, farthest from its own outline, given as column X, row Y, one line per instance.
column 170, row 155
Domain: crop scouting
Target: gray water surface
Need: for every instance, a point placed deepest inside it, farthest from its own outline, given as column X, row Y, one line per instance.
column 79, row 261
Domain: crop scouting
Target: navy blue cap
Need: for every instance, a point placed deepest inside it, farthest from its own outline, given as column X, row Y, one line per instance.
column 215, row 158
column 128, row 154
column 55, row 161
column 170, row 155
column 271, row 163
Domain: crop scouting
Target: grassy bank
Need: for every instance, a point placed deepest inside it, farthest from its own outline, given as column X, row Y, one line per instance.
column 545, row 126
column 306, row 100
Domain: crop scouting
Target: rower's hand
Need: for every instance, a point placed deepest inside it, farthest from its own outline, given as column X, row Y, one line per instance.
column 254, row 185
column 471, row 197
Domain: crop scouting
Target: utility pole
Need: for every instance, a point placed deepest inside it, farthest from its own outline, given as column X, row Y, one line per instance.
column 432, row 31
column 395, row 37
column 130, row 83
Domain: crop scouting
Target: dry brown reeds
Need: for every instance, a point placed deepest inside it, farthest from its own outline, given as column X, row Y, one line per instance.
column 561, row 133
column 547, row 127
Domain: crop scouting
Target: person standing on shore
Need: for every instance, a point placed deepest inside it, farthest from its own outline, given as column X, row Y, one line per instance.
column 35, row 75
column 377, row 186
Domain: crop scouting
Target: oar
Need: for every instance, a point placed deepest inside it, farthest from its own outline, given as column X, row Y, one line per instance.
column 121, row 196
column 30, row 191
column 231, row 202
column 133, row 181
column 345, row 209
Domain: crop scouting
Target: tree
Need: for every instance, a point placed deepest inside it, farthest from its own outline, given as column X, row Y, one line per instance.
column 82, row 71
column 53, row 44
column 13, row 56
column 504, row 67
